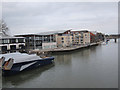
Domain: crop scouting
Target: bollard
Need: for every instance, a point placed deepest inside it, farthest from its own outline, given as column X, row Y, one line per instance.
column 115, row 40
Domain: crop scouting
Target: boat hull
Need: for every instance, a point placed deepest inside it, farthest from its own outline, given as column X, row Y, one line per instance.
column 24, row 66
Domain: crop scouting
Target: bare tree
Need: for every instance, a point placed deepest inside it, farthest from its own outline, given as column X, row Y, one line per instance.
column 4, row 30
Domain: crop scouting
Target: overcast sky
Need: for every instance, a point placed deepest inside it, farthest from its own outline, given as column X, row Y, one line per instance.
column 35, row 17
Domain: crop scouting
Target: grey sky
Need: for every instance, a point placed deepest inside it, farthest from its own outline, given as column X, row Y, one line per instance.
column 35, row 17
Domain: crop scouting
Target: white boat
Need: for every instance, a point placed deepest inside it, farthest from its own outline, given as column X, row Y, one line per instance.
column 104, row 43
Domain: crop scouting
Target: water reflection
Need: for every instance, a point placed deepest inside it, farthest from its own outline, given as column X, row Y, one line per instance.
column 66, row 57
column 0, row 78
column 63, row 58
column 93, row 67
column 23, row 77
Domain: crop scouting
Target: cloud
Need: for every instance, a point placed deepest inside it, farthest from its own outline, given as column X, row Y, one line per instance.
column 44, row 16
column 0, row 10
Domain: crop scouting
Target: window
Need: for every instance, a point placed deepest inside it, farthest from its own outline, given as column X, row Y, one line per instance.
column 0, row 41
column 37, row 38
column 29, row 37
column 72, row 38
column 62, row 38
column 40, row 38
column 85, row 35
column 5, row 41
column 12, row 40
column 20, row 40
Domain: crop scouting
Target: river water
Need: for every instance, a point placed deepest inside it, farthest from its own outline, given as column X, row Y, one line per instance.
column 94, row 67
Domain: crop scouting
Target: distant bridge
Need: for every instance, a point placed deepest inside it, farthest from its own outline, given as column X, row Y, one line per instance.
column 115, row 37
column 112, row 36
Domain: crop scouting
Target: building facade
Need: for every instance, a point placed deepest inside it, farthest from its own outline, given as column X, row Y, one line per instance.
column 39, row 41
column 48, row 40
column 86, row 37
column 58, row 39
column 76, row 38
column 64, row 39
column 96, row 36
column 81, row 37
column 92, row 38
column 11, row 44
column 101, row 37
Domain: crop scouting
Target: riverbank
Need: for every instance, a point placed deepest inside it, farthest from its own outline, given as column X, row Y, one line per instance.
column 75, row 69
column 65, row 49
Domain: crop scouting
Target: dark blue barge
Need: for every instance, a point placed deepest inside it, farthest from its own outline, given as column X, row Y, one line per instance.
column 17, row 62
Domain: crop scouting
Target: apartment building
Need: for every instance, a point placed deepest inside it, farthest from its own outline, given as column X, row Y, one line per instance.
column 81, row 37
column 101, row 37
column 11, row 44
column 64, row 39
column 86, row 37
column 76, row 37
column 96, row 36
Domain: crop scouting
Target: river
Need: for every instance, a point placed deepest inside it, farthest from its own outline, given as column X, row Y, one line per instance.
column 93, row 67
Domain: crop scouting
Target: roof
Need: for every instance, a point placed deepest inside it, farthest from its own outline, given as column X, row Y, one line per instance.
column 9, row 37
column 52, row 32
column 44, row 33
column 94, row 32
column 80, row 30
column 22, row 35
column 3, row 36
column 25, row 34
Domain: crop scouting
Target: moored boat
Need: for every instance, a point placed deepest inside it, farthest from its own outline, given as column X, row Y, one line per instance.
column 13, row 63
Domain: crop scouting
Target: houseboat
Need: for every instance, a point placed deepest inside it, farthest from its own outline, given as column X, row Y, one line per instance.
column 13, row 63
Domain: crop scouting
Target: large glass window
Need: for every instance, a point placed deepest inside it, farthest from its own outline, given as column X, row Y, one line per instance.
column 12, row 40
column 37, row 38
column 29, row 37
column 5, row 41
column 0, row 41
column 20, row 40
column 40, row 38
